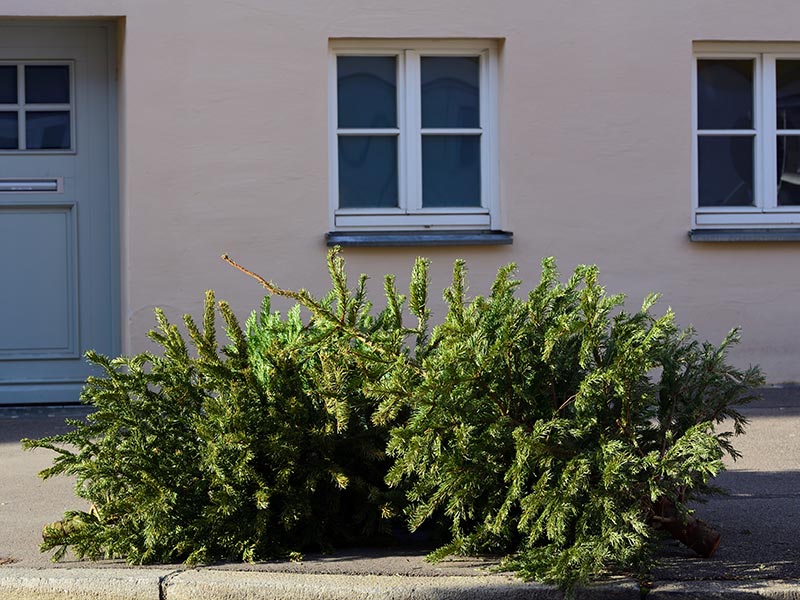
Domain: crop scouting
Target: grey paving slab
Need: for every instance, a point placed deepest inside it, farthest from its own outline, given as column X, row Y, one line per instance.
column 26, row 502
column 726, row 590
column 759, row 555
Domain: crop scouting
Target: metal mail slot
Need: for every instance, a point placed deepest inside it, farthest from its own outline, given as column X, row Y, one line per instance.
column 29, row 185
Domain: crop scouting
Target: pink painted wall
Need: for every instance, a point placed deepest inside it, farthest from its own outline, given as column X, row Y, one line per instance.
column 223, row 133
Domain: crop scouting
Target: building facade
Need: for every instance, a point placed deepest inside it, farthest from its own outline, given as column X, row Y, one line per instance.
column 142, row 139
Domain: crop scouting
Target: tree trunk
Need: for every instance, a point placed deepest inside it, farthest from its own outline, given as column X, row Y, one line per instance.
column 694, row 533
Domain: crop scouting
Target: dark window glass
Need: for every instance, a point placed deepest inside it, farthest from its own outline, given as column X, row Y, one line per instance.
column 367, row 91
column 725, row 170
column 787, row 74
column 450, row 91
column 47, row 130
column 367, row 172
column 47, row 84
column 451, row 170
column 788, row 170
column 9, row 134
column 8, row 84
column 725, row 94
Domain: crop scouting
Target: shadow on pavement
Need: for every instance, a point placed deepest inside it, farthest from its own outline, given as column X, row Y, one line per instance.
column 36, row 422
column 758, row 520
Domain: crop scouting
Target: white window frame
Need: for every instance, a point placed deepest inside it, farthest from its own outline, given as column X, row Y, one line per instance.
column 410, row 215
column 765, row 212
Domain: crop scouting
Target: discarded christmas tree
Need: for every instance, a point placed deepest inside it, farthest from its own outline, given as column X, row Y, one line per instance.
column 559, row 430
column 241, row 452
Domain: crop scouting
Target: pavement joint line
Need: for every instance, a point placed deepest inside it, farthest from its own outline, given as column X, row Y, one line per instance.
column 163, row 583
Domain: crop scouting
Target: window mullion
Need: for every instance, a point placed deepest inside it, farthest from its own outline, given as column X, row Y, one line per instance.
column 22, row 132
column 766, row 149
column 413, row 132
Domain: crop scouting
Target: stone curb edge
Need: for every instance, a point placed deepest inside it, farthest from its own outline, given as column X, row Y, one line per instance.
column 206, row 583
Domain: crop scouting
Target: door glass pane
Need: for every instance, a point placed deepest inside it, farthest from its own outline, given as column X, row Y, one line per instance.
column 451, row 170
column 367, row 91
column 450, row 91
column 8, row 84
column 725, row 94
column 788, row 170
column 787, row 73
column 47, row 84
column 47, row 130
column 9, row 134
column 725, row 170
column 367, row 172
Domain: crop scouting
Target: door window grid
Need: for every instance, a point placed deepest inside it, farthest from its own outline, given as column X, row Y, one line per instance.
column 40, row 126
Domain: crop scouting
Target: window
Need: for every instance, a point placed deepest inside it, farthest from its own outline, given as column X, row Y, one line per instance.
column 35, row 107
column 413, row 135
column 747, row 139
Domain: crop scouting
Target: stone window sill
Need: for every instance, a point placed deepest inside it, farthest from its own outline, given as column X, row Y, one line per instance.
column 745, row 235
column 418, row 238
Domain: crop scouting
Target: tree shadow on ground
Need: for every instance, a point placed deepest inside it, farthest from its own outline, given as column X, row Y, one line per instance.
column 36, row 422
column 758, row 523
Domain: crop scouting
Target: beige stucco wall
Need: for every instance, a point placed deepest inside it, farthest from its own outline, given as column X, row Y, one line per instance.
column 223, row 132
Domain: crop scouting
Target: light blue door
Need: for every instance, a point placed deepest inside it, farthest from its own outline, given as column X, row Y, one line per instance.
column 58, row 209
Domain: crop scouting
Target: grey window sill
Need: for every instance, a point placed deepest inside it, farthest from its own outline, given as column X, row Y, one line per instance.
column 418, row 238
column 745, row 235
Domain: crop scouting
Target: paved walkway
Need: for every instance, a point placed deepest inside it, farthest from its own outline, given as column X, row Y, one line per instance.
column 759, row 555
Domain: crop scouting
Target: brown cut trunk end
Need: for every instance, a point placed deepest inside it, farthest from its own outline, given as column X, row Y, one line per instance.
column 694, row 533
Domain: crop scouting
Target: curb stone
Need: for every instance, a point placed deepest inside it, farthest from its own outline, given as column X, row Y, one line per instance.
column 213, row 584
column 18, row 583
column 209, row 584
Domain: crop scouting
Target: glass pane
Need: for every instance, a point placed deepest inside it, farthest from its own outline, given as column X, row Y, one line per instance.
column 8, row 84
column 367, row 91
column 47, row 84
column 450, row 91
column 725, row 94
column 788, row 170
column 725, row 170
column 787, row 73
column 47, row 130
column 451, row 170
column 9, row 134
column 367, row 172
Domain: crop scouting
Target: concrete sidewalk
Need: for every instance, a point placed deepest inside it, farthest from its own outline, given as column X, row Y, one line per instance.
column 759, row 556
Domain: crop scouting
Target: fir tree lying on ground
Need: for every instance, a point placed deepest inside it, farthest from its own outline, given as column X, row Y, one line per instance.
column 261, row 449
column 558, row 430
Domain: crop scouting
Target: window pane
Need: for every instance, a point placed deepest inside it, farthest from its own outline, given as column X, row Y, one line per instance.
column 8, row 84
column 367, row 172
column 450, row 91
column 47, row 84
column 725, row 94
column 47, row 130
column 367, row 91
column 451, row 170
column 9, row 134
column 725, row 170
column 788, row 170
column 787, row 73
